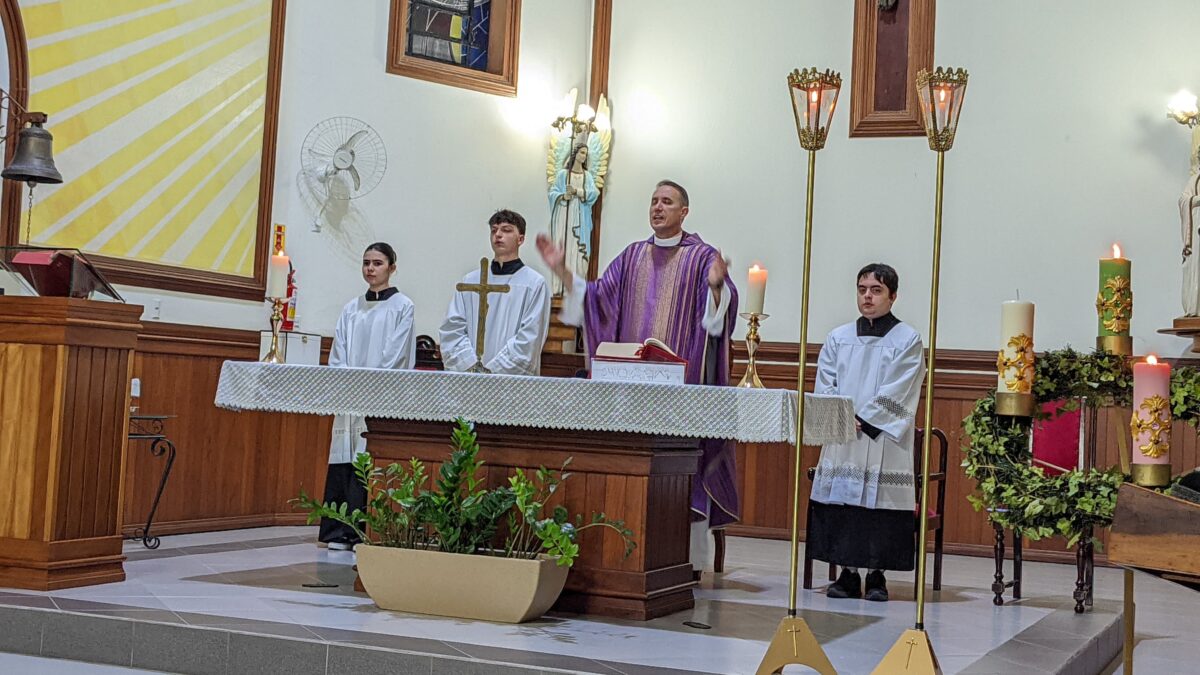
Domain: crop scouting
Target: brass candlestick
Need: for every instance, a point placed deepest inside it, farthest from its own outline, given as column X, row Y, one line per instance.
column 750, row 379
column 273, row 355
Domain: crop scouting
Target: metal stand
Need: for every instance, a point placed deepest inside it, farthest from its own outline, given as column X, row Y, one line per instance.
column 750, row 379
column 998, row 583
column 1129, row 619
column 150, row 428
column 274, row 356
column 1085, row 568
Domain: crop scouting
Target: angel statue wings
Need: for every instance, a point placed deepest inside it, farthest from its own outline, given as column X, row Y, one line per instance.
column 575, row 168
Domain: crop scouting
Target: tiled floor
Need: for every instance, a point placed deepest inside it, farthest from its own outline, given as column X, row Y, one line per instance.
column 272, row 580
column 36, row 665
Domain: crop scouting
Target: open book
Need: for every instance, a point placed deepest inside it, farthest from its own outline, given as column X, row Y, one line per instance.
column 652, row 349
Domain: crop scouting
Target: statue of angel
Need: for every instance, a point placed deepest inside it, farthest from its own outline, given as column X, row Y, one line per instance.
column 575, row 171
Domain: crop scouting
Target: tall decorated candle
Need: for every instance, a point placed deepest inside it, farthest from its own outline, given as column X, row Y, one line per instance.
column 1114, row 305
column 1150, row 424
column 756, row 289
column 1014, row 363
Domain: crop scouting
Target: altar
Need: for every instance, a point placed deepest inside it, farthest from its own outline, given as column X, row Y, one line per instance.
column 634, row 448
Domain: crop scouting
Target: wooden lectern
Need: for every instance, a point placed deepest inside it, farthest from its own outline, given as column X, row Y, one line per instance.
column 65, row 368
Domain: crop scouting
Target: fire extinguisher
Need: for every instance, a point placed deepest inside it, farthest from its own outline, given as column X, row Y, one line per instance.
column 289, row 315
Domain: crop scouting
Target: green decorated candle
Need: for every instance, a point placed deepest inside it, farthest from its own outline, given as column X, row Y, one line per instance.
column 1114, row 302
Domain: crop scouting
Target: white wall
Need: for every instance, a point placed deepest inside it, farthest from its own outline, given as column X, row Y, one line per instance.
column 1064, row 148
column 454, row 156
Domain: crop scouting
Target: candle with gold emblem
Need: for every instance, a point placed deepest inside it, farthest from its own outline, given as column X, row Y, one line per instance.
column 1014, row 363
column 1114, row 305
column 1150, row 424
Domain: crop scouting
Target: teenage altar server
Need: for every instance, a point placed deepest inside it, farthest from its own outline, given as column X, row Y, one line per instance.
column 375, row 330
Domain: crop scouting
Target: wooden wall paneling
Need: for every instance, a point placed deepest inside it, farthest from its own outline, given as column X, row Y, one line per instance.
column 964, row 376
column 232, row 469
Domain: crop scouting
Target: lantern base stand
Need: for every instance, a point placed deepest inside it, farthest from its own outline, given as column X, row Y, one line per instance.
column 912, row 653
column 794, row 644
column 1015, row 404
column 1121, row 345
column 1152, row 475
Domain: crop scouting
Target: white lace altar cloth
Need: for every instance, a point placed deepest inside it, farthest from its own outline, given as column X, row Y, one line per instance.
column 691, row 411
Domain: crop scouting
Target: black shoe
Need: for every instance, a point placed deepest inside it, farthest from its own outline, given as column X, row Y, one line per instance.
column 342, row 544
column 876, row 587
column 848, row 585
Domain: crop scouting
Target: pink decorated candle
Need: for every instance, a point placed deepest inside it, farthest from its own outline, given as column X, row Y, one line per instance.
column 1151, row 421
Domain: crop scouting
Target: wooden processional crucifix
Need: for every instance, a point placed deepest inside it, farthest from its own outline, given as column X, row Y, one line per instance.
column 482, row 289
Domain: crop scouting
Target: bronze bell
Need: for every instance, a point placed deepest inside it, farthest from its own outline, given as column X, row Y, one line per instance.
column 33, row 161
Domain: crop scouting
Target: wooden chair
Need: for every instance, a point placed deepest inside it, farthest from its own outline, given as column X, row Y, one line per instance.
column 429, row 356
column 937, row 475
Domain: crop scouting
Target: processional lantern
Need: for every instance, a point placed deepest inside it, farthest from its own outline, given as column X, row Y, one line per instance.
column 814, row 95
column 940, row 93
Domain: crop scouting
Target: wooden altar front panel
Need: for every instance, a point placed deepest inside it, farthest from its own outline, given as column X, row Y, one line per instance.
column 643, row 480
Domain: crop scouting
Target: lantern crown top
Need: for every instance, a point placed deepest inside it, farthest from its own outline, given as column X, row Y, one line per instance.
column 811, row 78
column 942, row 76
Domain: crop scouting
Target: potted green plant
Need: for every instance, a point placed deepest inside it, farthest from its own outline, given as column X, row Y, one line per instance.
column 435, row 545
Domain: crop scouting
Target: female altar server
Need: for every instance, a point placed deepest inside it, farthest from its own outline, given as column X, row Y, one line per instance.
column 374, row 331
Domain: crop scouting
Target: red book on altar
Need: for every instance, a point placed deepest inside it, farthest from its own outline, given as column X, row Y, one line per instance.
column 650, row 361
column 1057, row 441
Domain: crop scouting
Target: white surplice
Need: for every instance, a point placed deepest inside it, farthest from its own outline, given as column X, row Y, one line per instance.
column 369, row 335
column 883, row 376
column 517, row 323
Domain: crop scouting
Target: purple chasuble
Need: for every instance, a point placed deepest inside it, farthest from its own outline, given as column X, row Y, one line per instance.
column 659, row 291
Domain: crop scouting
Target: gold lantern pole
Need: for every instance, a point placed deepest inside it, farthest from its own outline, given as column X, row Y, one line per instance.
column 941, row 95
column 814, row 95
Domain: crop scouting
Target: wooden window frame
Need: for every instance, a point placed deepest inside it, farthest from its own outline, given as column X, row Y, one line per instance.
column 136, row 272
column 865, row 120
column 504, row 41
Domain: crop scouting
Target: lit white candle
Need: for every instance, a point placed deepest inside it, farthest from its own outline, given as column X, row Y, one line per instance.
column 756, row 289
column 1016, row 347
column 277, row 274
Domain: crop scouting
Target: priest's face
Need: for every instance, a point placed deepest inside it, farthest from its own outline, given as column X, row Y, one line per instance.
column 376, row 271
column 874, row 298
column 506, row 241
column 667, row 212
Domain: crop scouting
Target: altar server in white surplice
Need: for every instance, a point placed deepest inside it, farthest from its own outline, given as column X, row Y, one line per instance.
column 863, row 492
column 517, row 321
column 375, row 330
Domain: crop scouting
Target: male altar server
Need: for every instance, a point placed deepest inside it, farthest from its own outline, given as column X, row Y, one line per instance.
column 863, row 492
column 375, row 330
column 673, row 287
column 517, row 320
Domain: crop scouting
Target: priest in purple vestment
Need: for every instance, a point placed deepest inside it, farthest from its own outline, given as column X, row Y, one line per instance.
column 676, row 288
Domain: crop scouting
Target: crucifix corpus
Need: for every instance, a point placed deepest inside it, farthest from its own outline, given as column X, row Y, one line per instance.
column 482, row 289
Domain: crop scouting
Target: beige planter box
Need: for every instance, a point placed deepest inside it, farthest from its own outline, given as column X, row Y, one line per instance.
column 453, row 584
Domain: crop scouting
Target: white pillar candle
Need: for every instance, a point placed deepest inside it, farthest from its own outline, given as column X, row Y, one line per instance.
column 756, row 289
column 1016, row 347
column 277, row 274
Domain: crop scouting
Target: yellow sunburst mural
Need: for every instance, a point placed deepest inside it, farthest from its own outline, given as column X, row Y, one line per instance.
column 157, row 109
